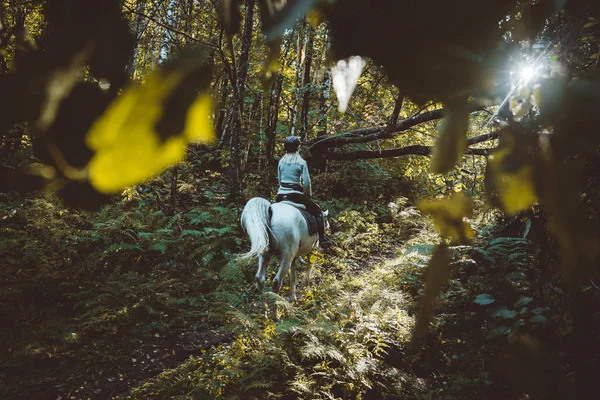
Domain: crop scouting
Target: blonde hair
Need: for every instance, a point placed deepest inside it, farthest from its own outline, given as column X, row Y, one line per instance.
column 292, row 158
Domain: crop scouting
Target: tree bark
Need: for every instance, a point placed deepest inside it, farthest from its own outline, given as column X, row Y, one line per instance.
column 324, row 106
column 173, row 194
column 137, row 28
column 299, row 63
column 306, row 83
column 234, row 160
column 396, row 113
column 416, row 150
column 364, row 135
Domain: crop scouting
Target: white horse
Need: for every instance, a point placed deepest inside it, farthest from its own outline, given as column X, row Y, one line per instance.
column 285, row 231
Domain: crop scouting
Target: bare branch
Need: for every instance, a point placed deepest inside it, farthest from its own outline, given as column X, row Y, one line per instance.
column 417, row 150
column 364, row 135
column 167, row 27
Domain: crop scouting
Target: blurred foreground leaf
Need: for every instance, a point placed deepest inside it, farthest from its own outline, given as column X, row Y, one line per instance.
column 146, row 129
column 452, row 140
column 510, row 175
column 437, row 274
column 448, row 216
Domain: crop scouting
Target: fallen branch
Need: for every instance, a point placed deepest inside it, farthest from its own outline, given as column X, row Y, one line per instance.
column 415, row 150
column 364, row 135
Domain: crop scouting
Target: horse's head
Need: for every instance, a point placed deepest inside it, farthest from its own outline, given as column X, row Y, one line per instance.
column 326, row 220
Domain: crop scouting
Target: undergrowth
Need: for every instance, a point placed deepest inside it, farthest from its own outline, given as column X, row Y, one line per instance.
column 139, row 302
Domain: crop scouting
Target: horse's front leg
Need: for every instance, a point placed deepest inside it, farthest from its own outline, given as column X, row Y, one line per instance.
column 261, row 274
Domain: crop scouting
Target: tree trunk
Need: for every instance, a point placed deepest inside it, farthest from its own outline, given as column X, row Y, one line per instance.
column 222, row 109
column 234, row 160
column 324, row 103
column 138, row 25
column 173, row 195
column 395, row 114
column 306, row 84
column 273, row 117
column 299, row 62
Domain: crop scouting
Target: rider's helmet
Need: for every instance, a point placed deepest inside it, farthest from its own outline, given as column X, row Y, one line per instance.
column 291, row 144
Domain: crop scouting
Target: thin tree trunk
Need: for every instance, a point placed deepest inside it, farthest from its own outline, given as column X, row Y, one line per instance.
column 306, row 84
column 234, row 161
column 173, row 195
column 396, row 113
column 325, row 95
column 222, row 108
column 274, row 103
column 137, row 31
column 299, row 63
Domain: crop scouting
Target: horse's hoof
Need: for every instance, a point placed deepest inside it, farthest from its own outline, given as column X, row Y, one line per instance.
column 260, row 285
column 276, row 286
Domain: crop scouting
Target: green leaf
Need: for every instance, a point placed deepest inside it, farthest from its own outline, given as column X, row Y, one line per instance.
column 540, row 310
column 503, row 312
column 538, row 319
column 527, row 228
column 499, row 331
column 484, row 299
column 523, row 301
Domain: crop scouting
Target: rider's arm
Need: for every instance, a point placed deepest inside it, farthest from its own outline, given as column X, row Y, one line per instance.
column 279, row 174
column 306, row 180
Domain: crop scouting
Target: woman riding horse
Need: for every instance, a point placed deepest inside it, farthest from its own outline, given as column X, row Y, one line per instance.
column 295, row 186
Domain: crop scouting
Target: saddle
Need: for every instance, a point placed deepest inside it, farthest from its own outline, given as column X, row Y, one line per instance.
column 310, row 219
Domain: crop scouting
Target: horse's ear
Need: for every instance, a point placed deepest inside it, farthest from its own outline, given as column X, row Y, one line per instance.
column 326, row 212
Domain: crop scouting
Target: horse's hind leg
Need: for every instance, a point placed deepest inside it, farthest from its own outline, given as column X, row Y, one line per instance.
column 284, row 268
column 261, row 274
column 293, row 281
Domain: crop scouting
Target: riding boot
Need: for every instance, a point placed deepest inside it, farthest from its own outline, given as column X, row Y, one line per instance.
column 324, row 241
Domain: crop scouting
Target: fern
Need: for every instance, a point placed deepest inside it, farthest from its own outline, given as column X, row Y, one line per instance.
column 160, row 246
column 122, row 247
column 191, row 232
column 506, row 250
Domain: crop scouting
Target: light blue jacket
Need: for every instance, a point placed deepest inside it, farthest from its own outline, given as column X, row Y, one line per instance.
column 293, row 178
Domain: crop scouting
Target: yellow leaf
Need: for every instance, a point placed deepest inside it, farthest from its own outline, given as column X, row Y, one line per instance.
column 451, row 141
column 314, row 17
column 448, row 215
column 515, row 189
column 128, row 148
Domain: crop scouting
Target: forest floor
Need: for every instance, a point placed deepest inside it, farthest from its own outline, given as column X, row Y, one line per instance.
column 133, row 303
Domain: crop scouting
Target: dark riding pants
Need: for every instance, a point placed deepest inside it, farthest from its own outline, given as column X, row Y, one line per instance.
column 311, row 206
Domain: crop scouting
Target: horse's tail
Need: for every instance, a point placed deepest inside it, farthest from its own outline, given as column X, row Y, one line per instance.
column 255, row 221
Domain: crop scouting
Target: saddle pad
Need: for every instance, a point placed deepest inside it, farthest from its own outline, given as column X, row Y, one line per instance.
column 311, row 221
